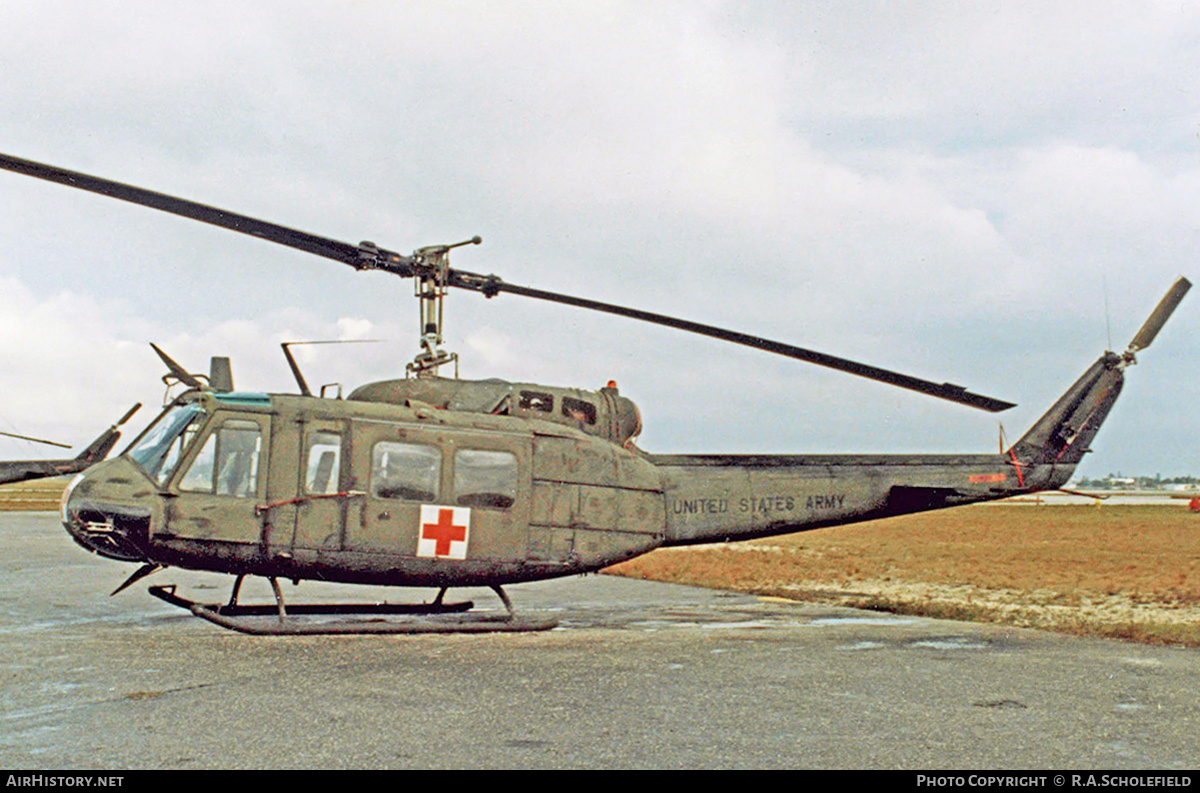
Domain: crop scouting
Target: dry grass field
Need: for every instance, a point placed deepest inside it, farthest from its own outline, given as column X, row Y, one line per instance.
column 35, row 495
column 1125, row 571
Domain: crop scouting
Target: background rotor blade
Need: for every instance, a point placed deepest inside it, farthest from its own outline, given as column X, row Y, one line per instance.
column 128, row 414
column 358, row 257
column 1162, row 312
column 35, row 440
column 491, row 285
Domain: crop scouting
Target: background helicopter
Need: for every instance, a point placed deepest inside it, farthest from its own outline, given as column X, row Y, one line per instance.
column 97, row 450
column 429, row 481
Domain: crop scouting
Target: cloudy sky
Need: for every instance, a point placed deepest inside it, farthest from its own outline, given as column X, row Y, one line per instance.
column 983, row 193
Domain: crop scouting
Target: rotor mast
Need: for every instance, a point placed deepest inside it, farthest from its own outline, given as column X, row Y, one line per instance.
column 431, row 280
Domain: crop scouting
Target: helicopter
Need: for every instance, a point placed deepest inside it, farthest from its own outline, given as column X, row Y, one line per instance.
column 432, row 481
column 94, row 452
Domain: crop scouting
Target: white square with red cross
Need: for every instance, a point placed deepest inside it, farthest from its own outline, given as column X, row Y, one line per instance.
column 443, row 532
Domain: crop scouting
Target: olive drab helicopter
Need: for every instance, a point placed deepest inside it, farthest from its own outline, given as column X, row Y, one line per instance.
column 431, row 481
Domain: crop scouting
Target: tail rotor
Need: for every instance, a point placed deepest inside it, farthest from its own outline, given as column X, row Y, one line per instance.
column 1162, row 312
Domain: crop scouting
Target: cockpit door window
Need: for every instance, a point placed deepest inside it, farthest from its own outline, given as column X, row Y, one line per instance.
column 227, row 464
column 160, row 447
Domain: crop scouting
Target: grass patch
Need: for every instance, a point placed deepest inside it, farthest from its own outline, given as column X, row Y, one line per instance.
column 1131, row 572
column 36, row 495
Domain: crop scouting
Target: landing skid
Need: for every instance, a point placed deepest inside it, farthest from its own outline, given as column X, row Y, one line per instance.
column 351, row 618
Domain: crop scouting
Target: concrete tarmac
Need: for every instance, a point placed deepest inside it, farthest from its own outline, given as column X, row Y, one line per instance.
column 638, row 675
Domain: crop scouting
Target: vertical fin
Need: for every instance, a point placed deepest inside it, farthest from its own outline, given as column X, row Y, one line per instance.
column 1064, row 434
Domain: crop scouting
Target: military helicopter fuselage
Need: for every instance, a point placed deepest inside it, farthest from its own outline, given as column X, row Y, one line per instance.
column 492, row 482
column 365, row 491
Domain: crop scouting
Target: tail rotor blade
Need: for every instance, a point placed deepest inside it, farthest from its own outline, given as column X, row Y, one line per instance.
column 1160, row 315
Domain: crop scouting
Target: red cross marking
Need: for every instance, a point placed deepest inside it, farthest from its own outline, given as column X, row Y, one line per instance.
column 443, row 532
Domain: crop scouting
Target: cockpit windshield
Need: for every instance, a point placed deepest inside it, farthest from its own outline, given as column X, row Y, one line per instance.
column 160, row 447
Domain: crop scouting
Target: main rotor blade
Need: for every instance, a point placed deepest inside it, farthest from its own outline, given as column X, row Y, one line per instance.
column 369, row 256
column 491, row 285
column 357, row 256
column 1162, row 312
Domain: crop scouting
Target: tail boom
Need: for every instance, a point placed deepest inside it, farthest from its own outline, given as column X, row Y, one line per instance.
column 718, row 498
column 714, row 498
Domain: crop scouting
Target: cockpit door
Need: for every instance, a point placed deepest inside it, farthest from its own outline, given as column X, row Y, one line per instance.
column 309, row 490
column 215, row 493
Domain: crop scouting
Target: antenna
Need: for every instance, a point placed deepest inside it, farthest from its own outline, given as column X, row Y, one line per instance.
column 287, row 353
column 1107, row 317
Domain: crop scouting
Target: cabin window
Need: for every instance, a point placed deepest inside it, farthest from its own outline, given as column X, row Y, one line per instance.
column 484, row 478
column 324, row 455
column 227, row 464
column 160, row 447
column 579, row 410
column 407, row 471
column 536, row 400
